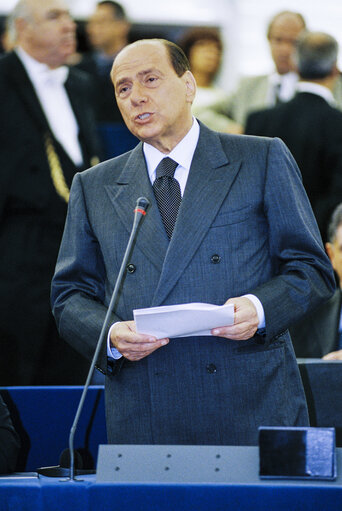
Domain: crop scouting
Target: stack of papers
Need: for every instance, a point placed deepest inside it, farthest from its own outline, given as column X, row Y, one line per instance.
column 185, row 320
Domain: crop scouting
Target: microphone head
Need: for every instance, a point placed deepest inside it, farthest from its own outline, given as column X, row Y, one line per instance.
column 142, row 205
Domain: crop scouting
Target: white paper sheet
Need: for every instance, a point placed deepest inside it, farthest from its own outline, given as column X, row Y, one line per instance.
column 185, row 320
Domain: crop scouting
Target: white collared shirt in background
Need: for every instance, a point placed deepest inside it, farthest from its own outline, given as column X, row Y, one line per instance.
column 287, row 86
column 49, row 86
column 319, row 90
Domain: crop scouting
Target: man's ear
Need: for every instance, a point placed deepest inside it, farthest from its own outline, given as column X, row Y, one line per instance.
column 190, row 83
column 330, row 251
column 20, row 25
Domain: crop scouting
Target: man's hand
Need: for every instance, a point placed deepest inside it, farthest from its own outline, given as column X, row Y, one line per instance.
column 246, row 321
column 333, row 355
column 132, row 345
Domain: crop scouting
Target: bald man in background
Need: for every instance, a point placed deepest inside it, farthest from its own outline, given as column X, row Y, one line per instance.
column 256, row 92
column 47, row 133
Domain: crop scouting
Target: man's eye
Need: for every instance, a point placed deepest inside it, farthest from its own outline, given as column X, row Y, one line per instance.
column 152, row 79
column 123, row 90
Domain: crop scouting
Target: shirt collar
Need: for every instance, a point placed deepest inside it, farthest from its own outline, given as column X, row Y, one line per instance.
column 182, row 153
column 290, row 77
column 319, row 90
column 40, row 72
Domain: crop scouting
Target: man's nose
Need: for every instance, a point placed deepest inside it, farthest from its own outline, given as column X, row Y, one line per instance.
column 68, row 23
column 138, row 94
column 287, row 47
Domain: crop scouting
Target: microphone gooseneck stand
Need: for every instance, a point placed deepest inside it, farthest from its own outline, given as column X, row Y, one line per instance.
column 139, row 213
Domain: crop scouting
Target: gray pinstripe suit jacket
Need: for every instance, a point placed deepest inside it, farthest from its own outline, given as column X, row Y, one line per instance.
column 244, row 202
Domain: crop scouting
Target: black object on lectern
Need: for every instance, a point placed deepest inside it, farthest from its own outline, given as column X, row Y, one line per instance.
column 297, row 453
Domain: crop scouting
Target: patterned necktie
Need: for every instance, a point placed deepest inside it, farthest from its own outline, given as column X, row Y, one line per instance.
column 277, row 99
column 167, row 192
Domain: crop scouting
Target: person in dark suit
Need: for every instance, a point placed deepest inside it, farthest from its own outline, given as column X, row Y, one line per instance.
column 108, row 30
column 47, row 133
column 319, row 333
column 9, row 441
column 310, row 125
column 244, row 234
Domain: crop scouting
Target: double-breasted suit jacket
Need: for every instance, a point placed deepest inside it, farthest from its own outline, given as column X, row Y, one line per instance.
column 32, row 218
column 244, row 226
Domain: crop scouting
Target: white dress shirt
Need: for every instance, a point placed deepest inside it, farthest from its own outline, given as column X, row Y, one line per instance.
column 49, row 86
column 286, row 85
column 319, row 90
column 182, row 154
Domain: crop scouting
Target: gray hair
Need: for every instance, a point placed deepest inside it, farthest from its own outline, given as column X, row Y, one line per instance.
column 315, row 55
column 22, row 9
column 335, row 223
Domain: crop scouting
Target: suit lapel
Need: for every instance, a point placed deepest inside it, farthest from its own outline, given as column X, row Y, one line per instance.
column 133, row 183
column 207, row 186
column 77, row 103
column 25, row 90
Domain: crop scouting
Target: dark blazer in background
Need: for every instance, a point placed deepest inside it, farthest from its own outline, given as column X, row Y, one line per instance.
column 9, row 441
column 32, row 217
column 104, row 100
column 318, row 332
column 312, row 129
column 243, row 198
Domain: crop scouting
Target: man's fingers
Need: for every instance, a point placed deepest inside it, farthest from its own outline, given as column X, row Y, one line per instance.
column 132, row 345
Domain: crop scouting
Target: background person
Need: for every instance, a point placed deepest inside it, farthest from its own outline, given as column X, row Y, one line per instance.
column 47, row 133
column 204, row 49
column 319, row 334
column 108, row 31
column 9, row 441
column 244, row 227
column 261, row 91
column 310, row 125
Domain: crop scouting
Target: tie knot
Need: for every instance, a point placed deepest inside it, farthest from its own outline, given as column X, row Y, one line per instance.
column 166, row 167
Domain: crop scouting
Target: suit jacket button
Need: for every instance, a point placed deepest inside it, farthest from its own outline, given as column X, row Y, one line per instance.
column 215, row 259
column 131, row 268
column 211, row 368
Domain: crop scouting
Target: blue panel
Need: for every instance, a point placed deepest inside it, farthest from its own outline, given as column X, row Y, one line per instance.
column 43, row 417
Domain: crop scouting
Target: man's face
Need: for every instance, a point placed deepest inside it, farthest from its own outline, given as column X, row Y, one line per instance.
column 50, row 36
column 334, row 251
column 154, row 101
column 282, row 38
column 104, row 29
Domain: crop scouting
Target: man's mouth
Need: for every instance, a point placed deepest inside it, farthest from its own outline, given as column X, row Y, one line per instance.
column 143, row 117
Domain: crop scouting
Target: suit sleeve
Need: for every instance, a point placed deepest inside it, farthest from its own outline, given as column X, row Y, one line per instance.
column 77, row 292
column 303, row 274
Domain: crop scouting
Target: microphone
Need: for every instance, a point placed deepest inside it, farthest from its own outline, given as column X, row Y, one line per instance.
column 140, row 210
column 63, row 469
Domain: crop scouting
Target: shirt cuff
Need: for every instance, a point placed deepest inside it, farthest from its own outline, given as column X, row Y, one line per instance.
column 112, row 352
column 260, row 310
